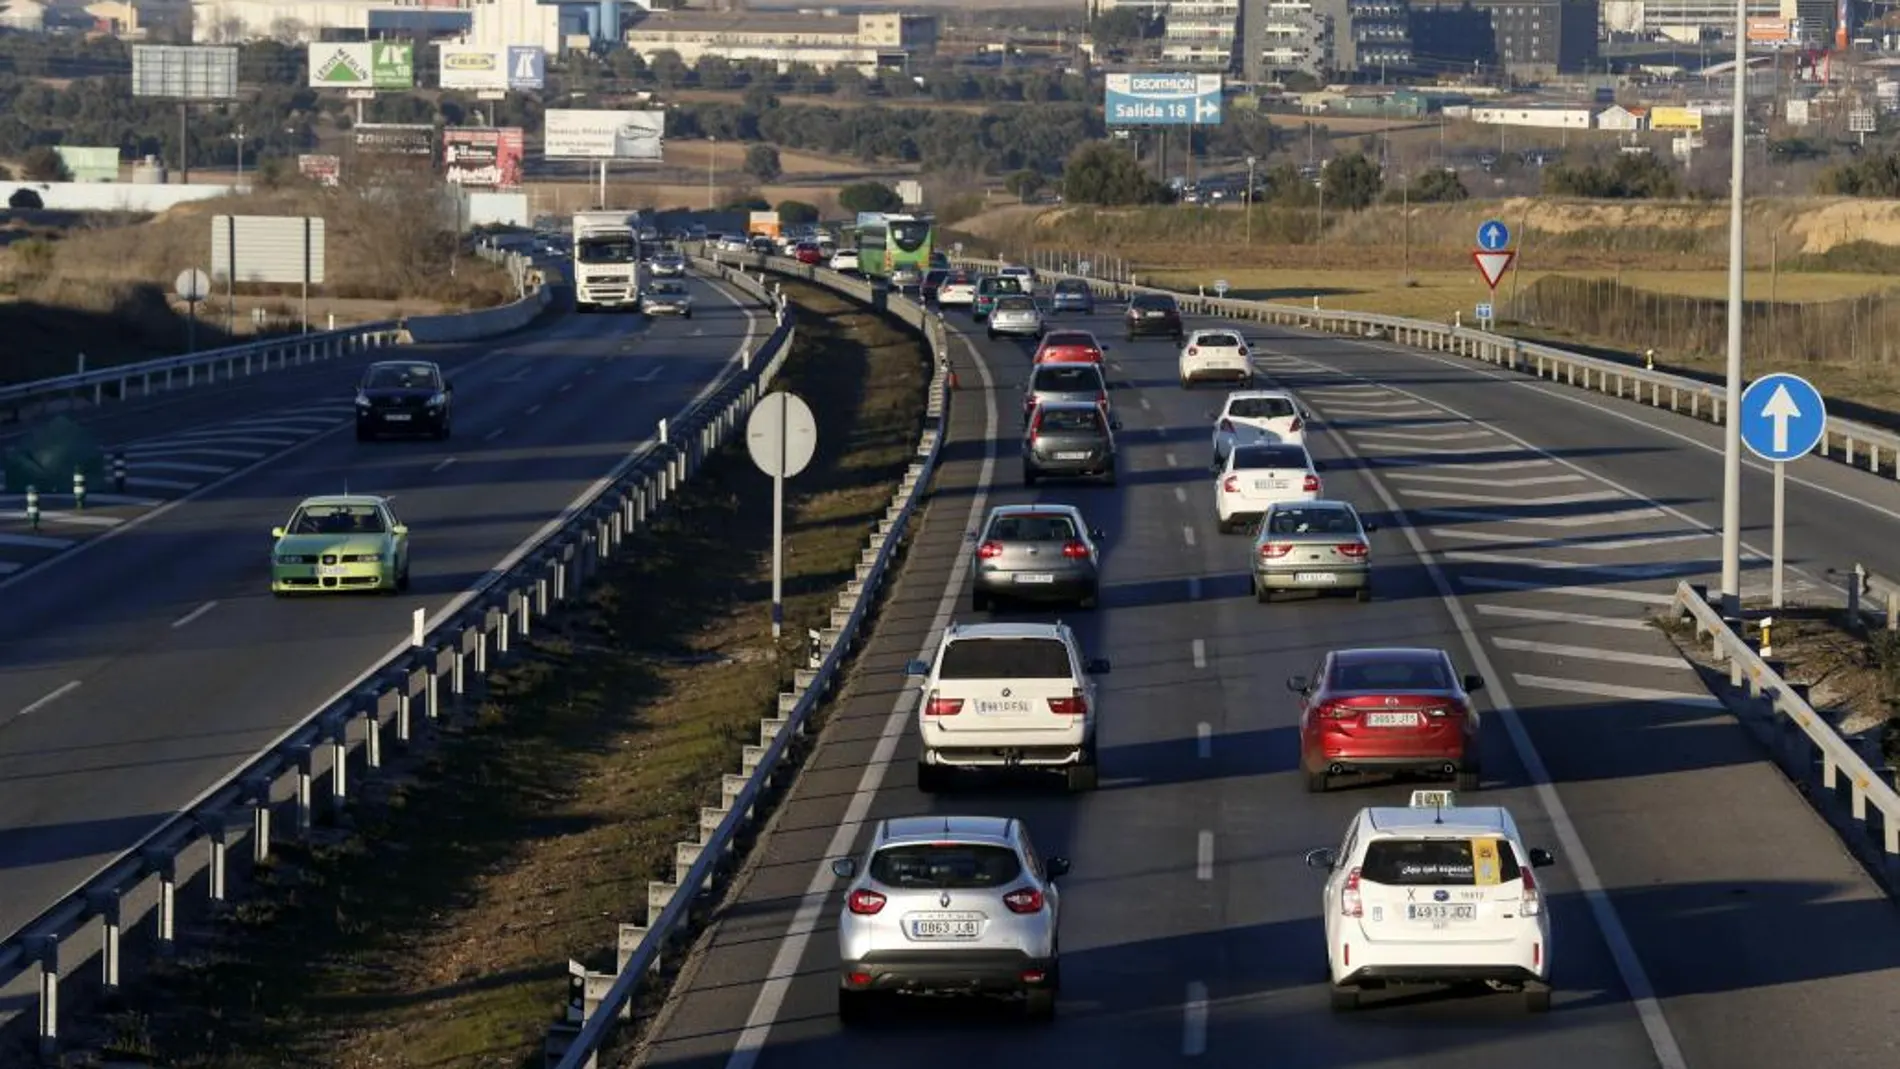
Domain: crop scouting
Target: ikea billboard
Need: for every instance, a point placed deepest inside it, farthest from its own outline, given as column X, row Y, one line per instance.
column 1164, row 100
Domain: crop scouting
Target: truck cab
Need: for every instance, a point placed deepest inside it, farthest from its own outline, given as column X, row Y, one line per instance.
column 609, row 270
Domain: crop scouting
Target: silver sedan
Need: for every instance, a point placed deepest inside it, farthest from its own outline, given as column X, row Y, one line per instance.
column 1016, row 315
column 1320, row 546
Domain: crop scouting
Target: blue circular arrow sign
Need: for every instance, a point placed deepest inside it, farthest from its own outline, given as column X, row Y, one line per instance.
column 1782, row 417
column 1493, row 236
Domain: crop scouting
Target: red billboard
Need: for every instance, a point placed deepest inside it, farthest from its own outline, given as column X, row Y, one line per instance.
column 483, row 157
column 324, row 170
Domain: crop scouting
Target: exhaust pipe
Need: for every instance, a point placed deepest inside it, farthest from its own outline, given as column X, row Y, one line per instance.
column 1451, row 770
column 1335, row 769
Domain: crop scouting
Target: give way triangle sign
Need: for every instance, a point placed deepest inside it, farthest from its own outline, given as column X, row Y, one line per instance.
column 1492, row 265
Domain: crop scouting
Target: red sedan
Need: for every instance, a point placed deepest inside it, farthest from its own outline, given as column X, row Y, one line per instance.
column 1069, row 347
column 1388, row 711
column 808, row 252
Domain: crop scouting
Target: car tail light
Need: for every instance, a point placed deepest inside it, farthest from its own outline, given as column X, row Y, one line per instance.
column 1351, row 549
column 1194, row 350
column 1334, row 710
column 1294, row 427
column 1533, row 903
column 1076, row 704
column 866, row 903
column 1227, row 426
column 1272, row 550
column 1311, row 485
column 942, row 706
column 1027, row 900
column 990, row 550
column 1231, row 484
column 1101, row 399
column 1075, row 551
column 1350, row 904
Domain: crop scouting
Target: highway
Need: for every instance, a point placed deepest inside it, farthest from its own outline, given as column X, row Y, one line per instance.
column 1704, row 915
column 139, row 668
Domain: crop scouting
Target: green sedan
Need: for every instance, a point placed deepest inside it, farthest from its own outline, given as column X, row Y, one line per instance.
column 340, row 543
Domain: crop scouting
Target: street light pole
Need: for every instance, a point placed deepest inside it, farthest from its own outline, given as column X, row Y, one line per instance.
column 712, row 154
column 1732, row 424
column 1251, row 160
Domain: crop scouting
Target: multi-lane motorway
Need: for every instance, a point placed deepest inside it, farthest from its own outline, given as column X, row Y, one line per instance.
column 1705, row 916
column 142, row 664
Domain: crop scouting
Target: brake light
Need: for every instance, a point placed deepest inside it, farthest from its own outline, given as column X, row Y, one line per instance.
column 1350, row 904
column 1311, row 485
column 1231, row 484
column 1194, row 350
column 1101, row 399
column 1332, row 710
column 1351, row 549
column 1027, row 900
column 1075, row 551
column 1292, row 428
column 1533, row 903
column 865, row 903
column 990, row 550
column 1076, row 704
column 942, row 706
column 1276, row 549
column 1227, row 425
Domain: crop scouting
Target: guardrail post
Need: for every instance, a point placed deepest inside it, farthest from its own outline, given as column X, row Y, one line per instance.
column 257, row 790
column 432, row 686
column 405, row 724
column 540, row 598
column 336, row 728
column 525, row 606
column 45, row 948
column 164, row 865
column 372, row 738
column 218, row 831
column 305, row 759
column 106, row 901
column 501, row 624
column 481, row 646
column 458, row 671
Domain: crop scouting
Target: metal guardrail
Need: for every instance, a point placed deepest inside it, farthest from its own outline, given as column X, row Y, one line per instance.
column 1857, row 445
column 148, row 378
column 1804, row 733
column 1863, row 584
column 700, row 865
column 442, row 665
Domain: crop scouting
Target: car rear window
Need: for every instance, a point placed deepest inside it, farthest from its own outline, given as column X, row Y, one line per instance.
column 1297, row 521
column 1218, row 341
column 1005, row 658
column 947, row 865
column 1145, row 301
column 1033, row 528
column 401, row 377
column 1408, row 673
column 1260, row 407
column 1069, row 378
column 1070, row 337
column 1069, row 420
column 1001, row 284
column 1072, row 285
column 1460, row 862
column 1269, row 456
column 1015, row 304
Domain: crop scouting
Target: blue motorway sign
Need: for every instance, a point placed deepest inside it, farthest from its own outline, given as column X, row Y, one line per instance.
column 527, row 68
column 1163, row 100
column 1484, row 312
column 1783, row 417
column 1493, row 236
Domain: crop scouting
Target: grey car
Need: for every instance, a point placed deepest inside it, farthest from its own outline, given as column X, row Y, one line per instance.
column 1070, row 440
column 668, row 265
column 1320, row 546
column 1017, row 316
column 1063, row 384
column 1072, row 295
column 1036, row 553
column 667, row 297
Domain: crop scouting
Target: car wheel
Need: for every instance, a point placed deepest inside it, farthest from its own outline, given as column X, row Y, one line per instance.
column 688, row 314
column 1317, row 782
column 1110, row 478
column 992, row 335
column 1029, row 478
column 1343, row 999
column 442, row 433
column 1537, row 998
column 402, row 580
column 1083, row 777
column 1223, row 526
column 854, row 1007
column 1039, row 1004
column 1364, row 595
column 1091, row 599
column 979, row 601
column 1469, row 780
column 1262, row 593
column 932, row 779
column 362, row 433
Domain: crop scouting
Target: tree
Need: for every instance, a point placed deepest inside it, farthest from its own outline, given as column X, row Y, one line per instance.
column 42, row 163
column 1629, row 178
column 1025, row 183
column 1435, row 186
column 1351, row 181
column 25, row 199
column 1102, row 173
column 797, row 213
column 869, row 197
column 761, row 162
column 1118, row 27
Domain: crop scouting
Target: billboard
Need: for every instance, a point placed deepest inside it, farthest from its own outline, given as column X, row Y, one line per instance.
column 90, row 164
column 603, row 135
column 184, row 72
column 492, row 69
column 1672, row 118
column 483, row 158
column 1163, row 100
column 267, row 248
column 362, row 65
column 1770, row 30
column 395, row 138
column 323, row 170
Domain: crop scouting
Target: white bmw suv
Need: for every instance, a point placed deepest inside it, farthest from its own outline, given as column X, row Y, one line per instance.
column 1434, row 893
column 1003, row 696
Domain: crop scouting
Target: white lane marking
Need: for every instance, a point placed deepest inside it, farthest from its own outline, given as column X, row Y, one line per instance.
column 494, row 434
column 8, row 567
column 1194, row 588
column 142, row 457
column 1551, row 616
column 532, row 409
column 1354, row 392
column 1200, row 653
column 1419, row 436
column 1204, row 740
column 791, row 949
column 443, row 463
column 1589, row 653
column 1397, row 413
column 1611, row 690
column 1204, row 856
column 1194, row 1021
column 1188, row 533
column 1461, row 480
column 179, row 465
column 1180, row 495
column 1615, row 936
column 34, row 541
column 565, row 386
column 1396, row 402
column 1145, row 404
column 1606, row 545
column 56, row 694
column 1588, row 519
column 1489, row 465
column 652, row 373
column 518, row 376
column 1587, row 497
column 1630, row 571
column 1607, row 593
column 143, row 483
column 194, row 614
column 1173, row 463
column 77, row 519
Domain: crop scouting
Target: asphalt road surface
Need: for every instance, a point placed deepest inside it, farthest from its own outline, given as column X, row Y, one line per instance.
column 1704, row 915
column 138, row 669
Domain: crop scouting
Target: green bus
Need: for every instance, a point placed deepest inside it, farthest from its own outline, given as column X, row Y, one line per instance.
column 895, row 245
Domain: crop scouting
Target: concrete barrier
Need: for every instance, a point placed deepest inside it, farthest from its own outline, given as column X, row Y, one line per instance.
column 471, row 326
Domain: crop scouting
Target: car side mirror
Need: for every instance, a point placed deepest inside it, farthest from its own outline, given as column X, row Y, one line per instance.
column 1323, row 858
column 1541, row 858
column 1107, row 348
column 276, row 533
column 1298, row 684
column 1114, row 424
column 401, row 530
column 1097, row 666
column 1474, row 684
column 1096, row 533
column 1371, row 527
column 916, row 668
column 1211, row 414
column 1057, row 867
column 844, row 868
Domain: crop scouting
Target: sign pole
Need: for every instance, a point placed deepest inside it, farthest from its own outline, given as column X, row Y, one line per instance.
column 191, row 326
column 1779, row 418
column 603, row 183
column 1781, row 526
column 184, row 143
column 1732, row 426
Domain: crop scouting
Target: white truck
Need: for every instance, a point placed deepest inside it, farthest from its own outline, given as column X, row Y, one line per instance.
column 609, row 271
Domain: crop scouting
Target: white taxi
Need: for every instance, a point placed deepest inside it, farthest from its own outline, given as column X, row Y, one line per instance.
column 1256, row 477
column 1434, row 893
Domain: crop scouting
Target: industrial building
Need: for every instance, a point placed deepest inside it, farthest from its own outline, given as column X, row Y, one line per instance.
column 1528, row 38
column 1200, row 34
column 494, row 23
column 865, row 41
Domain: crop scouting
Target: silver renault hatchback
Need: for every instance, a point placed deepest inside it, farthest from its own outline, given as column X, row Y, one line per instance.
column 949, row 905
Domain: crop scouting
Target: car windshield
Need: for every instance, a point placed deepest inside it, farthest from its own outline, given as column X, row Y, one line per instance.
column 1067, row 378
column 1218, row 341
column 606, row 251
column 1398, row 673
column 946, row 865
column 1260, row 408
column 1299, row 521
column 1269, row 456
column 1061, row 420
column 1040, row 527
column 1069, row 337
column 402, row 377
column 1015, row 304
column 336, row 520
column 1005, row 658
column 1419, row 862
column 670, row 289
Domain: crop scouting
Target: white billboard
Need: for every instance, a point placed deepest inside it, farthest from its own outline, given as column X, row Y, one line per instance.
column 473, row 67
column 268, row 248
column 603, row 135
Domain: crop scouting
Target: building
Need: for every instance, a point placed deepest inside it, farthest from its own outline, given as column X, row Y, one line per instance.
column 24, row 15
column 1282, row 37
column 494, row 23
column 1368, row 36
column 140, row 20
column 866, row 41
column 1451, row 40
column 1618, row 117
column 1691, row 21
column 1528, row 38
column 1200, row 34
column 1551, row 117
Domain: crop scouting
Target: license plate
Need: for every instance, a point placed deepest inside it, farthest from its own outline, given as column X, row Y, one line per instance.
column 1269, row 484
column 965, row 926
column 1316, row 577
column 1007, row 705
column 396, row 417
column 1072, row 456
column 1438, row 914
column 1391, row 720
column 1038, row 577
column 332, row 570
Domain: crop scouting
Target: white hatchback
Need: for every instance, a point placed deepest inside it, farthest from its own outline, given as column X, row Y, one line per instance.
column 1257, row 417
column 1000, row 696
column 1434, row 893
column 1256, row 477
column 844, row 261
column 1215, row 354
column 1026, row 276
column 961, row 293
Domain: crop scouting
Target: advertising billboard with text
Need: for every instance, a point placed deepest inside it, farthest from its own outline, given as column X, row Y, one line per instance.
column 603, row 135
column 1163, row 100
column 476, row 158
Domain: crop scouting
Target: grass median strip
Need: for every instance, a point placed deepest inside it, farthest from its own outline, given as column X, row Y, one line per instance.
column 440, row 935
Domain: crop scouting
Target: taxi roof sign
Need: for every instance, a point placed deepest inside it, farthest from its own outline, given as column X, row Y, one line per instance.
column 1434, row 800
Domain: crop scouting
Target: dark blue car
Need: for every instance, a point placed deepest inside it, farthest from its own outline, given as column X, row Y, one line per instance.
column 1072, row 295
